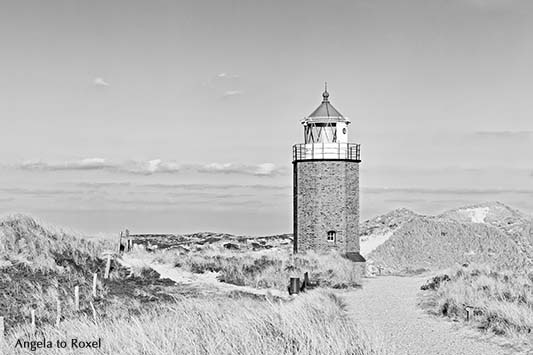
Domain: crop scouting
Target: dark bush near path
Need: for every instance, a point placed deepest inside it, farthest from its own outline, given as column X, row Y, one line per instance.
column 435, row 282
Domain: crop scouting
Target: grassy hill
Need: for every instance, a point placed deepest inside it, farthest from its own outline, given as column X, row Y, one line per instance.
column 40, row 264
column 25, row 241
column 490, row 233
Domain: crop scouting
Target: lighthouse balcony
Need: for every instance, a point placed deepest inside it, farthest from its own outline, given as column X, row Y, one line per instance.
column 326, row 151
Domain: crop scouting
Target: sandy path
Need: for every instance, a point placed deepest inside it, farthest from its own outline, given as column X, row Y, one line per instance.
column 187, row 278
column 388, row 306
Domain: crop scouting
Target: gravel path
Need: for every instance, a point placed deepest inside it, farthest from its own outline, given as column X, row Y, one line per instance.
column 388, row 306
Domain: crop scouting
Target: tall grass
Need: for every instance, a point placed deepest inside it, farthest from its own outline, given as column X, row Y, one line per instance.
column 269, row 268
column 40, row 264
column 314, row 323
column 503, row 300
column 24, row 240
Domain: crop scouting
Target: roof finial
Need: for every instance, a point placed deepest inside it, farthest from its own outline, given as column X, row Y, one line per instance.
column 325, row 95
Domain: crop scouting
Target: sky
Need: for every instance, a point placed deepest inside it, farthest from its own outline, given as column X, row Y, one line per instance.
column 179, row 116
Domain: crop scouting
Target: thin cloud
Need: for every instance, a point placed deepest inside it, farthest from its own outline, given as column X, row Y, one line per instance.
column 444, row 191
column 231, row 93
column 100, row 82
column 492, row 4
column 184, row 186
column 222, row 81
column 265, row 169
column 505, row 134
column 227, row 76
column 154, row 166
column 149, row 167
column 37, row 192
column 205, row 187
column 83, row 164
column 103, row 184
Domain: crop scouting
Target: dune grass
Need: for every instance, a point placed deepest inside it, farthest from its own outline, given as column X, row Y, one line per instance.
column 41, row 247
column 502, row 299
column 314, row 323
column 41, row 264
column 269, row 268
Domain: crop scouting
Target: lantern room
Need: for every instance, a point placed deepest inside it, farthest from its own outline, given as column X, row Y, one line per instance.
column 326, row 135
column 325, row 124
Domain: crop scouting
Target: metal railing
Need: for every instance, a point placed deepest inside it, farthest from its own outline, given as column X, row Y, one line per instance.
column 330, row 151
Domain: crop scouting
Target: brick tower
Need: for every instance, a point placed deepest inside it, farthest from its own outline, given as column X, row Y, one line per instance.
column 326, row 185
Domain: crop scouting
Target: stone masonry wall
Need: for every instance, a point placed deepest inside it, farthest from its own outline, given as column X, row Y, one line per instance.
column 326, row 198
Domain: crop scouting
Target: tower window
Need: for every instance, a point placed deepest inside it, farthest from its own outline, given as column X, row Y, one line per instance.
column 332, row 236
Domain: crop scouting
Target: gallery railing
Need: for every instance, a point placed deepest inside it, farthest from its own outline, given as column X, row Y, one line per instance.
column 329, row 151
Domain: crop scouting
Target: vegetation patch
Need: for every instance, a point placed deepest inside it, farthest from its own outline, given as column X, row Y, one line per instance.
column 497, row 300
column 40, row 265
column 314, row 323
column 269, row 268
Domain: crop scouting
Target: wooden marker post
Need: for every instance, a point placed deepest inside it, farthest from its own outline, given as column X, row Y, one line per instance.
column 33, row 320
column 107, row 266
column 128, row 240
column 305, row 283
column 58, row 318
column 95, row 279
column 2, row 330
column 294, row 285
column 119, row 243
column 77, row 298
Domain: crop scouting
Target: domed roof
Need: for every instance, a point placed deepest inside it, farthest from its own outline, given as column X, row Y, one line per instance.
column 326, row 111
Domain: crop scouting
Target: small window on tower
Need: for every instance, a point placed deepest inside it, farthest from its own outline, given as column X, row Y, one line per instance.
column 332, row 236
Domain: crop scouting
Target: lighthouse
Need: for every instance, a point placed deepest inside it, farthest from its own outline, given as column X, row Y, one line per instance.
column 326, row 184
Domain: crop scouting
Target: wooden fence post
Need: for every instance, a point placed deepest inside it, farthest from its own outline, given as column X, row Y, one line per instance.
column 107, row 266
column 33, row 320
column 77, row 298
column 2, row 330
column 305, row 283
column 119, row 242
column 58, row 319
column 128, row 239
column 95, row 279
